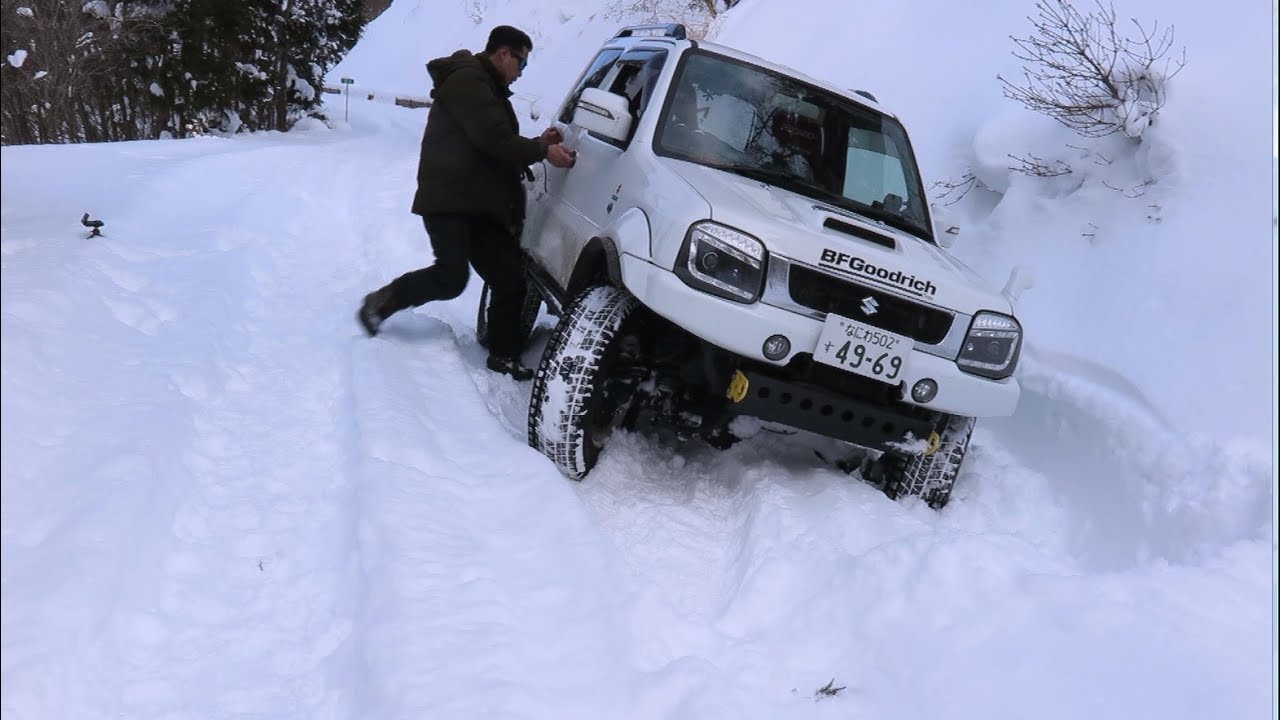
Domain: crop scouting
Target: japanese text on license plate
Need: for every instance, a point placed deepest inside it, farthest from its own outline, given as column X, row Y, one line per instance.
column 862, row 349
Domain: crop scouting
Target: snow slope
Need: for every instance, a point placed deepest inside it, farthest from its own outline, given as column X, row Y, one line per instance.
column 221, row 501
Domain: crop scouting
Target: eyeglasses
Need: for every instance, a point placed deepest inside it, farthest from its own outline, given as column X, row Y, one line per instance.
column 524, row 61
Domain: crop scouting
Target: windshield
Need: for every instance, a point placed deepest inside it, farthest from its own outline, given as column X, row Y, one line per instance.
column 753, row 122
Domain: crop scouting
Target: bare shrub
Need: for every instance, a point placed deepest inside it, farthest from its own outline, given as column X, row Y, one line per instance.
column 1083, row 73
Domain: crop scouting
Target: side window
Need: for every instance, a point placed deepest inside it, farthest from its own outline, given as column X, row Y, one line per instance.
column 637, row 75
column 594, row 75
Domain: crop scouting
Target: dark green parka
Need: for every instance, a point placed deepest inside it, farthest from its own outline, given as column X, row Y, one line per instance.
column 473, row 157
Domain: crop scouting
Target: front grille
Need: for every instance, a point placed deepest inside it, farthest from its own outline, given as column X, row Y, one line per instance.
column 824, row 293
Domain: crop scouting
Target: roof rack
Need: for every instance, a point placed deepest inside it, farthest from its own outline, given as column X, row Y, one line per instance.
column 672, row 30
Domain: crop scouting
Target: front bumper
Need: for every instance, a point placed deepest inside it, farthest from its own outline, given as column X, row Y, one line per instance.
column 770, row 396
column 742, row 329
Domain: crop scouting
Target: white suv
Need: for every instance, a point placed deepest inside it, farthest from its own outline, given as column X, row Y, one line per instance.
column 738, row 239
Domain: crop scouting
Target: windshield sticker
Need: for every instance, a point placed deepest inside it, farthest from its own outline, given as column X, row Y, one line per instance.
column 856, row 267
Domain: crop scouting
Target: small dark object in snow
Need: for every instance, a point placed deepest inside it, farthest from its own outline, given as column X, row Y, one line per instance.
column 828, row 690
column 95, row 224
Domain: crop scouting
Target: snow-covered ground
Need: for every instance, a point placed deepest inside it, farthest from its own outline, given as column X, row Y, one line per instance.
column 221, row 501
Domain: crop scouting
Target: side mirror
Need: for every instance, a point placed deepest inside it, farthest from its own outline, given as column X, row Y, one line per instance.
column 604, row 113
column 944, row 231
column 945, row 234
column 1020, row 278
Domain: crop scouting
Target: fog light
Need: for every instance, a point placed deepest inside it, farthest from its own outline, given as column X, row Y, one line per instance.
column 777, row 347
column 924, row 390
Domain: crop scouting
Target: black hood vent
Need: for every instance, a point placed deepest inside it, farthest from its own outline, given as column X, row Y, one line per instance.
column 858, row 232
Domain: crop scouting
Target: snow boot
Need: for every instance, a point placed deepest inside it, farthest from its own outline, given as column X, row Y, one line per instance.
column 374, row 310
column 510, row 365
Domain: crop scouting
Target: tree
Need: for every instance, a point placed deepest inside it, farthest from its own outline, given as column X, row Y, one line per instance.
column 311, row 37
column 1083, row 73
column 88, row 71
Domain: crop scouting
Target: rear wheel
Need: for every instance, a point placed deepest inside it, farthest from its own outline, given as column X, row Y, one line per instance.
column 576, row 401
column 931, row 475
column 528, row 315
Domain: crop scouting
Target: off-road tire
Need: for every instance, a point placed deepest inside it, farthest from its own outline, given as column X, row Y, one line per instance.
column 528, row 315
column 931, row 476
column 567, row 390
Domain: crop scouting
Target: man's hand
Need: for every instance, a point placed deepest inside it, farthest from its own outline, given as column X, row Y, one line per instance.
column 561, row 157
column 551, row 136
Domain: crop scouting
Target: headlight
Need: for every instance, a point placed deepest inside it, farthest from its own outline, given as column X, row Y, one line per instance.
column 991, row 348
column 722, row 261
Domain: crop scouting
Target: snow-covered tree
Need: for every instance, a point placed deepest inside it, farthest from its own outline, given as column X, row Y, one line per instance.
column 310, row 37
column 259, row 63
column 128, row 69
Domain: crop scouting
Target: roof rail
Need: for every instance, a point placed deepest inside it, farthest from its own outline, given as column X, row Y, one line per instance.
column 673, row 30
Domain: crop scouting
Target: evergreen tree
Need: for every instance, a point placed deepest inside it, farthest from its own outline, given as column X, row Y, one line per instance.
column 125, row 69
column 313, row 36
column 260, row 64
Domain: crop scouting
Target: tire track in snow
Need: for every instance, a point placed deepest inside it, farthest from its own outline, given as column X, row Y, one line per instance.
column 259, row 571
column 1132, row 488
column 701, row 535
column 476, row 558
column 718, row 547
column 419, row 555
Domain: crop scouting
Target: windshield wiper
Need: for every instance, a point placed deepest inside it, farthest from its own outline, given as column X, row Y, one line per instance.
column 897, row 220
column 871, row 211
column 887, row 217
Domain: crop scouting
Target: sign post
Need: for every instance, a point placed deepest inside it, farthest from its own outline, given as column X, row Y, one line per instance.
column 346, row 111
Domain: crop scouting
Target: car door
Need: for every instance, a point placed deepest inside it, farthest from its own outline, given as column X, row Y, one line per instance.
column 544, row 230
column 581, row 202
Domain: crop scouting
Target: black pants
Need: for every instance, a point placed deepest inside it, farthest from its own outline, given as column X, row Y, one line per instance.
column 490, row 248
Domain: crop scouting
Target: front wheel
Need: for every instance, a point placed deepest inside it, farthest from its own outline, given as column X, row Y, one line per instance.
column 574, row 406
column 932, row 475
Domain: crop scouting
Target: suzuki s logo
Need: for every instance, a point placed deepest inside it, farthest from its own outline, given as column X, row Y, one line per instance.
column 869, row 305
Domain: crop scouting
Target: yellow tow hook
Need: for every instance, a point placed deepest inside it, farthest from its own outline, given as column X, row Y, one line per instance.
column 935, row 442
column 737, row 387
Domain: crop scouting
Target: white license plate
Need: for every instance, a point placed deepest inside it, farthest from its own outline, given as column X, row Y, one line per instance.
column 862, row 349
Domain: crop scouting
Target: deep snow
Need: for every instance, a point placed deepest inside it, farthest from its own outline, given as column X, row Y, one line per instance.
column 221, row 501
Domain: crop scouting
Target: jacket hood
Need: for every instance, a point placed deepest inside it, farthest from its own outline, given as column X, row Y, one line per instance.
column 442, row 68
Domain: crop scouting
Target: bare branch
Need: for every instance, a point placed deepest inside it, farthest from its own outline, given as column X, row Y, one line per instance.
column 1136, row 191
column 1039, row 167
column 953, row 191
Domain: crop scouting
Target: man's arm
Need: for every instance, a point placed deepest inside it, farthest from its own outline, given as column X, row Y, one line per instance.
column 483, row 117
